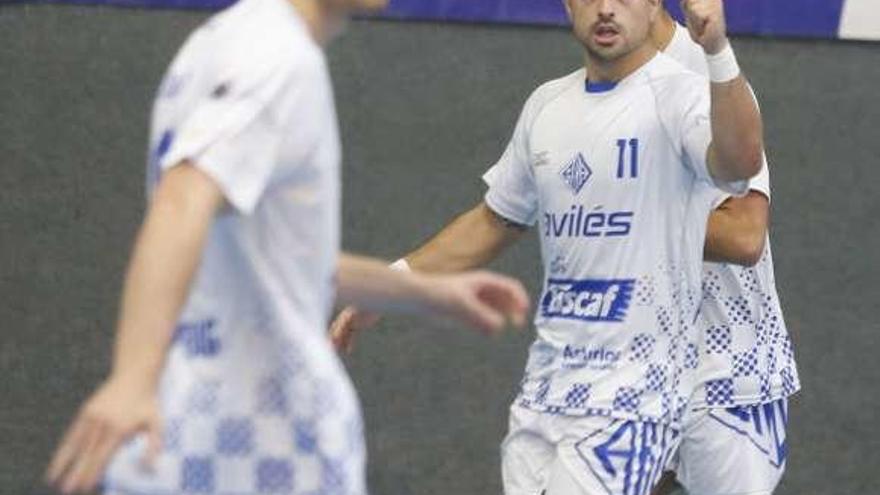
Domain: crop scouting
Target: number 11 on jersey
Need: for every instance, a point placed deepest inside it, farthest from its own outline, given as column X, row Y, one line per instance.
column 622, row 145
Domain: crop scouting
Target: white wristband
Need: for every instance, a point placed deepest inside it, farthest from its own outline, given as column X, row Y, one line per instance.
column 400, row 265
column 723, row 66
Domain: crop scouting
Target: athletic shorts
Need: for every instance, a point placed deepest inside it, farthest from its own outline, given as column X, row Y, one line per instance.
column 545, row 454
column 734, row 451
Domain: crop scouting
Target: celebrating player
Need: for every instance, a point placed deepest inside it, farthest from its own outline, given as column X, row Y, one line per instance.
column 617, row 164
column 223, row 379
column 734, row 441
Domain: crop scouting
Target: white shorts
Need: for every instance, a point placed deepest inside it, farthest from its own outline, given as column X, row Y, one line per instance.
column 735, row 451
column 545, row 454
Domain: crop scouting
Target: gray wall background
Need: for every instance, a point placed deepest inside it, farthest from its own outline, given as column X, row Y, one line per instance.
column 425, row 109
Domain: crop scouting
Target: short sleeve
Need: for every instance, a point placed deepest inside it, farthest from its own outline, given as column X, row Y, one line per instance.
column 759, row 183
column 512, row 189
column 235, row 133
column 693, row 124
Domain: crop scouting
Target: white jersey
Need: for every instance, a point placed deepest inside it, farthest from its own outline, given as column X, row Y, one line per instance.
column 746, row 352
column 615, row 177
column 254, row 399
column 684, row 50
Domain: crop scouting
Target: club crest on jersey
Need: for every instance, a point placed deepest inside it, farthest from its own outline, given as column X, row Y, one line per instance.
column 576, row 173
column 587, row 300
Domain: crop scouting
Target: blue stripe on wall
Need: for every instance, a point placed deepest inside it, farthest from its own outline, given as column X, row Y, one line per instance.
column 813, row 18
column 819, row 18
column 509, row 11
column 816, row 18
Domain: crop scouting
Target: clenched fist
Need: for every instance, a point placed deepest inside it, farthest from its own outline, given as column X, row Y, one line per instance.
column 706, row 23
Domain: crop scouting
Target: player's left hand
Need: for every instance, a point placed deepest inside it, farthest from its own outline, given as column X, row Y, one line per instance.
column 481, row 299
column 349, row 322
column 115, row 412
column 706, row 23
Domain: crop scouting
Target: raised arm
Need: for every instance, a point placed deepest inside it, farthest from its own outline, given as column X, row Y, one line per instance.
column 163, row 263
column 737, row 230
column 737, row 128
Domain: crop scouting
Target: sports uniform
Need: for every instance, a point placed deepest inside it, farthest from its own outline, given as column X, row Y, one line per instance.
column 253, row 397
column 733, row 440
column 614, row 175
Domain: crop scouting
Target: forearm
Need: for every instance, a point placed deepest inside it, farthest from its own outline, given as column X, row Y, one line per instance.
column 163, row 263
column 737, row 131
column 737, row 231
column 369, row 283
column 728, row 241
column 472, row 240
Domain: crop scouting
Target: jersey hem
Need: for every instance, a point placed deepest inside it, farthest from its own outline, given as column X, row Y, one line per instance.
column 744, row 400
column 596, row 412
column 108, row 488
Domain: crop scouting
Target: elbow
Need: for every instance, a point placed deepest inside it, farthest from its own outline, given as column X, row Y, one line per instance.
column 753, row 159
column 742, row 161
column 749, row 249
column 748, row 159
column 753, row 151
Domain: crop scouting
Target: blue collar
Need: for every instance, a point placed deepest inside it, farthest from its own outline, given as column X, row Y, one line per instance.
column 600, row 87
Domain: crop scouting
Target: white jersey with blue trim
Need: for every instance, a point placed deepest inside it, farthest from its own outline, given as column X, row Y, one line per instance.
column 253, row 397
column 747, row 357
column 746, row 352
column 614, row 177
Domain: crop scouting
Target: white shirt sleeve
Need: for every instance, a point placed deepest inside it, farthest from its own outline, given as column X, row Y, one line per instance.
column 513, row 193
column 759, row 183
column 235, row 133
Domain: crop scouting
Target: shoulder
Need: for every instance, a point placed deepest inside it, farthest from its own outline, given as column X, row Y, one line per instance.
column 666, row 70
column 273, row 53
column 551, row 90
column 674, row 84
column 252, row 45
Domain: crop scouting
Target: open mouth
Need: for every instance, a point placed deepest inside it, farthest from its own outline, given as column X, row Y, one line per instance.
column 605, row 34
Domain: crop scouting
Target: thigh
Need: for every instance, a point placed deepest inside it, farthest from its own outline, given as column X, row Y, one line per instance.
column 734, row 451
column 563, row 482
column 527, row 453
column 616, row 457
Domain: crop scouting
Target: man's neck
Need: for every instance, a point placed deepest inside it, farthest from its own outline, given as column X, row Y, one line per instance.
column 663, row 31
column 322, row 22
column 618, row 69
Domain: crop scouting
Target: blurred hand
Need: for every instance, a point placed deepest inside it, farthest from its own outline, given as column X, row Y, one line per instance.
column 482, row 300
column 350, row 321
column 114, row 413
column 706, row 23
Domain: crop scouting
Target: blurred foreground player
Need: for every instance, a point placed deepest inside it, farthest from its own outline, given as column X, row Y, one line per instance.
column 223, row 379
column 734, row 437
column 618, row 164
